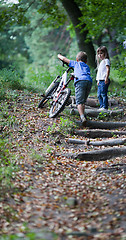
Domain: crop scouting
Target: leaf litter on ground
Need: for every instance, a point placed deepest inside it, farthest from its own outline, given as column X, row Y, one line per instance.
column 53, row 192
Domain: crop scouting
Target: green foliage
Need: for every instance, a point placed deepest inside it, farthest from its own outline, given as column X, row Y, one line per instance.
column 66, row 125
column 11, row 14
column 42, row 235
column 45, row 35
column 37, row 157
column 73, row 50
column 7, row 159
column 32, row 48
column 2, row 91
column 53, row 12
column 94, row 83
column 101, row 15
column 7, row 165
column 39, row 78
column 51, row 128
column 13, row 50
column 118, row 92
column 6, row 119
column 118, row 68
column 9, row 79
column 103, row 115
column 71, row 30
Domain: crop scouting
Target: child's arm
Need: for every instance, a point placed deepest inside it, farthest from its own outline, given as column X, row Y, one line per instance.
column 107, row 75
column 64, row 59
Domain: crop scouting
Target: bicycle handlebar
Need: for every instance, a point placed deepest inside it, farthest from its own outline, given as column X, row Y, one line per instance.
column 64, row 63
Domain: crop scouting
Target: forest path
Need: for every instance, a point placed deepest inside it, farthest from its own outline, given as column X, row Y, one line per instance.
column 60, row 197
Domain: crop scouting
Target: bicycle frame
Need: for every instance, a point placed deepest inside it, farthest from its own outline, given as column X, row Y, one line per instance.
column 55, row 88
column 52, row 84
column 63, row 84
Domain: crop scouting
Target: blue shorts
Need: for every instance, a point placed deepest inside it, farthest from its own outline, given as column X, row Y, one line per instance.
column 82, row 90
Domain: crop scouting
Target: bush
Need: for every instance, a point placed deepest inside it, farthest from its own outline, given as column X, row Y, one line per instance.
column 118, row 69
column 2, row 91
column 38, row 79
column 10, row 79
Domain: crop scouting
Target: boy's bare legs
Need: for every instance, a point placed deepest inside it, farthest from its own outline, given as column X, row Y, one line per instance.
column 81, row 108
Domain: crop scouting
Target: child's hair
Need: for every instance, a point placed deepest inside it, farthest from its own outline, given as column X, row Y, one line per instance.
column 104, row 50
column 82, row 56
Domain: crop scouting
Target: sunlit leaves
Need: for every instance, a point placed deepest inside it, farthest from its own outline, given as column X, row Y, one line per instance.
column 101, row 15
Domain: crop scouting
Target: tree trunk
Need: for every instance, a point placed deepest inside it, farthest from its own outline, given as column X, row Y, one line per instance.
column 74, row 14
column 113, row 46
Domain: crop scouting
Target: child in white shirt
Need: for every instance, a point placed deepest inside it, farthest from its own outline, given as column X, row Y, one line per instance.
column 102, row 77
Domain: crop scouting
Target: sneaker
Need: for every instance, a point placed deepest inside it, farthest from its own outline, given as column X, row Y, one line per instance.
column 103, row 109
column 83, row 120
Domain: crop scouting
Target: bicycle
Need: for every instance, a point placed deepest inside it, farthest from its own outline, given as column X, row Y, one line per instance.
column 58, row 92
column 49, row 92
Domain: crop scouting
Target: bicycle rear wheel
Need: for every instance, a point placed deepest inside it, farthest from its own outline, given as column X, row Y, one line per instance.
column 48, row 96
column 59, row 105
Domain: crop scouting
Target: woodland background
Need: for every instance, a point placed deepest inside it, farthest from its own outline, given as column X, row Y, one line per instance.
column 33, row 33
column 34, row 149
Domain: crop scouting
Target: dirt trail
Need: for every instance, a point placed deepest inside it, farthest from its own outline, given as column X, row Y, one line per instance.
column 60, row 197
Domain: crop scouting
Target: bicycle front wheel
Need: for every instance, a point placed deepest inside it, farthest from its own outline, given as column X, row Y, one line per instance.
column 48, row 96
column 59, row 105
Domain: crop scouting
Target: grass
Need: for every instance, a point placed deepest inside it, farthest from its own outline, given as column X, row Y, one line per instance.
column 7, row 166
column 65, row 126
column 31, row 236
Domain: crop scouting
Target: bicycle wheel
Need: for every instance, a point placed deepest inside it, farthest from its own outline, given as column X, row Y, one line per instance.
column 59, row 105
column 48, row 95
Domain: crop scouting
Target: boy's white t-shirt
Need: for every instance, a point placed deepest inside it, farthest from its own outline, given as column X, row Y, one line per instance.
column 102, row 70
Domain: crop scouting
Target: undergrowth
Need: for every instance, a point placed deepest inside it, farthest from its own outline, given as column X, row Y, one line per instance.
column 31, row 236
column 65, row 126
column 9, row 79
column 7, row 167
column 37, row 79
column 7, row 159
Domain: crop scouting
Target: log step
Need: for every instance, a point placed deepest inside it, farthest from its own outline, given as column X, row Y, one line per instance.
column 101, row 155
column 98, row 133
